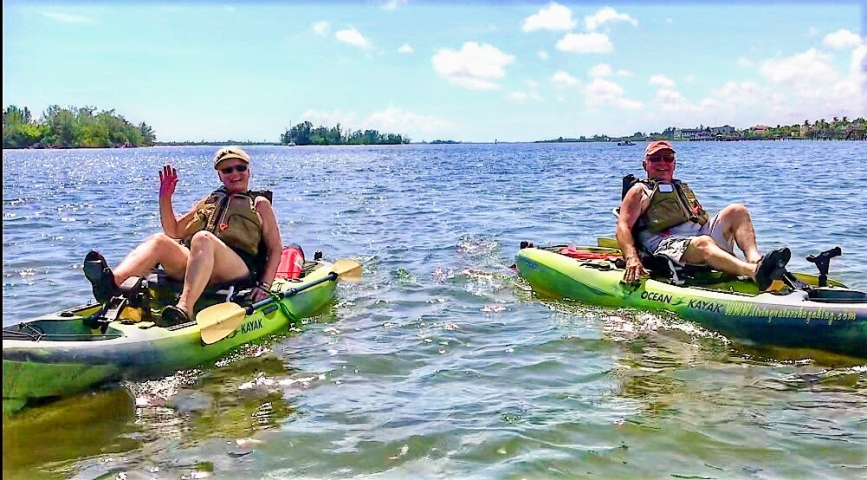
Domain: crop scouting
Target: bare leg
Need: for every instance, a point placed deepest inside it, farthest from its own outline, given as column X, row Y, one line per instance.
column 703, row 250
column 158, row 248
column 737, row 224
column 210, row 261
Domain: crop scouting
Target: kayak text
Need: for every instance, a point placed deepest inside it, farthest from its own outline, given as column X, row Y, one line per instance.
column 248, row 327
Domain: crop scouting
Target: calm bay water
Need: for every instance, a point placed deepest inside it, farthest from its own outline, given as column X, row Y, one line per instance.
column 441, row 363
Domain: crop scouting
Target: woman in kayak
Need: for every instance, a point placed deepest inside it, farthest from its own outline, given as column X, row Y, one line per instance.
column 231, row 235
column 666, row 219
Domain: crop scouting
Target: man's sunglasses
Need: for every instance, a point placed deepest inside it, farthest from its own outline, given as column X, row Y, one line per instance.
column 236, row 168
column 660, row 158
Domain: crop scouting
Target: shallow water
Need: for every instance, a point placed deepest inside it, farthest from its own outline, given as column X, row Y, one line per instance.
column 442, row 363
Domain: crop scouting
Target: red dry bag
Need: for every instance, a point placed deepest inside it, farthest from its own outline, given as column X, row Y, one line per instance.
column 291, row 262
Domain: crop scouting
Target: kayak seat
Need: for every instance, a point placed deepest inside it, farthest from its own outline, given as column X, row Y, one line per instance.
column 159, row 280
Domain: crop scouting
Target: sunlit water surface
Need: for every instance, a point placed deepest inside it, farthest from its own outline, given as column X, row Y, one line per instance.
column 442, row 363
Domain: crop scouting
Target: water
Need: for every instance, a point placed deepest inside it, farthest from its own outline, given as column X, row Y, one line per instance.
column 441, row 363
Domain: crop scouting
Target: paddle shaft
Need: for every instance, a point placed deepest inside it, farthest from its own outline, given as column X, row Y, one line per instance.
column 288, row 293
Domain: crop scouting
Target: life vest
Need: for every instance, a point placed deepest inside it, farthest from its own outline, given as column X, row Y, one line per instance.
column 670, row 204
column 231, row 217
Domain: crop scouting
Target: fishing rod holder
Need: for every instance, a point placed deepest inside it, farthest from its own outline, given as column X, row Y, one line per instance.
column 823, row 263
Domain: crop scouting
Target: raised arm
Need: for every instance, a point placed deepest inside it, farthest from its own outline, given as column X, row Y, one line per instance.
column 172, row 226
column 630, row 211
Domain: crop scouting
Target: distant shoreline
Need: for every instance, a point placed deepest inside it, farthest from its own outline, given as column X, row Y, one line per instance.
column 499, row 142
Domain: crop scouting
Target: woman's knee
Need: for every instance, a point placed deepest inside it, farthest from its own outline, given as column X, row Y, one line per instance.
column 203, row 239
column 160, row 240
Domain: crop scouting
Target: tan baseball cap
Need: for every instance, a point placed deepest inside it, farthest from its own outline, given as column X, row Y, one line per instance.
column 227, row 153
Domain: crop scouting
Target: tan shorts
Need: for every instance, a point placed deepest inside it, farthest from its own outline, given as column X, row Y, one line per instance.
column 674, row 244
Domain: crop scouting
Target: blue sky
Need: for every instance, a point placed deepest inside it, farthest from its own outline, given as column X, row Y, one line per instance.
column 474, row 71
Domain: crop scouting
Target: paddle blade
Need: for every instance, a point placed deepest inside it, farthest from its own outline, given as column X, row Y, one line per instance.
column 605, row 242
column 347, row 270
column 218, row 321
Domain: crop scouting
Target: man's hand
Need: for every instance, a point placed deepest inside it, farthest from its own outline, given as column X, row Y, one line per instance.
column 168, row 180
column 634, row 270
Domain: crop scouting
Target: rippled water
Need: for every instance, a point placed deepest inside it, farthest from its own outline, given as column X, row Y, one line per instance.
column 441, row 363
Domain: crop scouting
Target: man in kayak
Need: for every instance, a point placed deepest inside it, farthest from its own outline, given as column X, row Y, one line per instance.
column 665, row 218
column 231, row 235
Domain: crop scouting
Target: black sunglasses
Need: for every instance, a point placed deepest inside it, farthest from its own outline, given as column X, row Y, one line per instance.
column 236, row 168
column 660, row 158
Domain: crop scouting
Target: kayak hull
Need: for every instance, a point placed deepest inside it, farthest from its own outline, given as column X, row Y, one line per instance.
column 70, row 356
column 730, row 306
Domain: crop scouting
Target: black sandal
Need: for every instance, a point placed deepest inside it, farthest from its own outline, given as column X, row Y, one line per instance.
column 173, row 315
column 772, row 267
column 100, row 276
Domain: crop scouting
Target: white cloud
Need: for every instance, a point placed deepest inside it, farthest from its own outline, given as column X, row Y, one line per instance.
column 352, row 37
column 552, row 17
column 395, row 120
column 740, row 94
column 392, row 4
column 543, row 54
column 842, row 39
column 321, row 28
column 601, row 92
column 661, row 81
column 563, row 79
column 474, row 66
column 607, row 15
column 585, row 43
column 859, row 61
column 390, row 120
column 810, row 66
column 532, row 84
column 600, row 70
column 624, row 73
column 66, row 17
column 405, row 48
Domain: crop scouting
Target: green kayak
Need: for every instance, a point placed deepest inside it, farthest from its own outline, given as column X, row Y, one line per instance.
column 75, row 349
column 831, row 318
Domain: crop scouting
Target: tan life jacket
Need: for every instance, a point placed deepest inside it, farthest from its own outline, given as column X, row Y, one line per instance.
column 231, row 217
column 670, row 204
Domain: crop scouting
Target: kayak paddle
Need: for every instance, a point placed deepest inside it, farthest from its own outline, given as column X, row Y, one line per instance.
column 218, row 321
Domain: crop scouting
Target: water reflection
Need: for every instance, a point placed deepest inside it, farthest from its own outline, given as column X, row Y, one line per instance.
column 42, row 442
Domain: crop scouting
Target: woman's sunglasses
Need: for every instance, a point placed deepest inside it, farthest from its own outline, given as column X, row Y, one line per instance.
column 660, row 158
column 236, row 168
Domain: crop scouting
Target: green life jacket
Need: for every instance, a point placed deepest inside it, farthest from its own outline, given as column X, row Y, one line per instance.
column 231, row 217
column 670, row 204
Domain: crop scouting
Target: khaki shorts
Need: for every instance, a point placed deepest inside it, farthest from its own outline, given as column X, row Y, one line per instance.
column 675, row 244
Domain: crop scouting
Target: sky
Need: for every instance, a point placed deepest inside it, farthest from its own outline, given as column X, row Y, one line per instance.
column 471, row 71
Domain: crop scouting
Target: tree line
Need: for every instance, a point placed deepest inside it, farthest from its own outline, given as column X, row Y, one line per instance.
column 72, row 127
column 305, row 134
column 837, row 129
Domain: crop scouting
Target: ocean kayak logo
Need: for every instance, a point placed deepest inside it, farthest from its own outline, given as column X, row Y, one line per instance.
column 661, row 298
column 247, row 327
